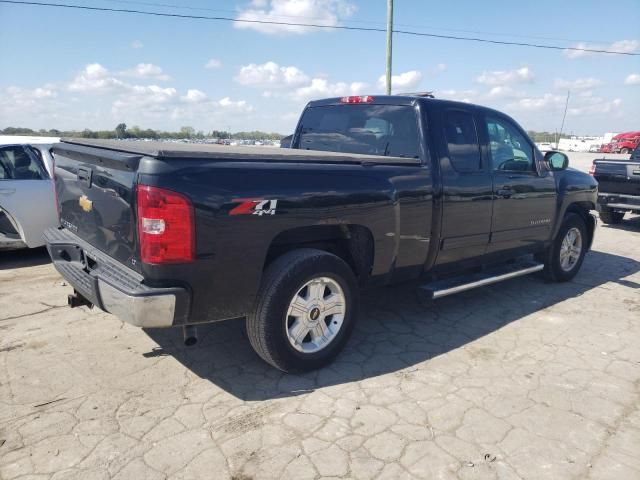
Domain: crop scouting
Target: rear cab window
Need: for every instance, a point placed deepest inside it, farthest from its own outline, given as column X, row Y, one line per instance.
column 385, row 130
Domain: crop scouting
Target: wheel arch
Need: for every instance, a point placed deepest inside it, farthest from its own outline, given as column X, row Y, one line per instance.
column 583, row 209
column 352, row 243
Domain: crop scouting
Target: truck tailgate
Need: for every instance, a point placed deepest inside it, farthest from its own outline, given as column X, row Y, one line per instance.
column 96, row 191
column 618, row 176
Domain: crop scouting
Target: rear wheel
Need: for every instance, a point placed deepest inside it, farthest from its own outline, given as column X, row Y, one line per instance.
column 625, row 151
column 305, row 310
column 609, row 215
column 564, row 258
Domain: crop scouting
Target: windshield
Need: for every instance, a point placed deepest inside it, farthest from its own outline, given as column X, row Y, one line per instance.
column 386, row 130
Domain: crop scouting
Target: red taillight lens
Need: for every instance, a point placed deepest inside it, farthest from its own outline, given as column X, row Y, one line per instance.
column 165, row 226
column 357, row 99
column 592, row 169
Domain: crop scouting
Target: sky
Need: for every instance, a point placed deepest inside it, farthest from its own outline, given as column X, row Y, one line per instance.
column 76, row 69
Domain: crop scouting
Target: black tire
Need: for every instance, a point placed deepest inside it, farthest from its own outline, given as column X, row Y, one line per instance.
column 610, row 216
column 625, row 151
column 267, row 323
column 553, row 270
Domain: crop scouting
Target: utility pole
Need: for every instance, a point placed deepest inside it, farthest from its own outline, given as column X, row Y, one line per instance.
column 564, row 116
column 389, row 43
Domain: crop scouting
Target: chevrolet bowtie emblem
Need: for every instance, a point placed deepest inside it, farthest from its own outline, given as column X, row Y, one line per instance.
column 85, row 203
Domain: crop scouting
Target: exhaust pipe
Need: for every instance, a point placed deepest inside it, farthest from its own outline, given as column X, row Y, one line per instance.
column 190, row 335
column 76, row 300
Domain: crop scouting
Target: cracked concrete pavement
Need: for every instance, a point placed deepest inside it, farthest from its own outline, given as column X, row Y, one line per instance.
column 522, row 379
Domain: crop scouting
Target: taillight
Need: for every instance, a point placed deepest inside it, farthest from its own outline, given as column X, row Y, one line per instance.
column 165, row 226
column 357, row 99
column 592, row 169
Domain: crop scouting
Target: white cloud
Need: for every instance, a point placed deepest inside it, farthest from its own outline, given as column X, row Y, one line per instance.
column 595, row 106
column 321, row 87
column 25, row 94
column 146, row 70
column 240, row 105
column 213, row 63
column 633, row 79
column 137, row 44
column 578, row 84
column 94, row 78
column 503, row 92
column 579, row 105
column 404, row 81
column 623, row 46
column 194, row 96
column 467, row 96
column 544, row 102
column 319, row 12
column 439, row 68
column 270, row 74
column 29, row 104
column 503, row 77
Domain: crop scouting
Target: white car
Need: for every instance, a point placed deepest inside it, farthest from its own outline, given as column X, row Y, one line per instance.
column 27, row 191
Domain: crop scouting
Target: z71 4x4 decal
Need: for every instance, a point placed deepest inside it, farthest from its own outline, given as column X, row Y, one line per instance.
column 254, row 206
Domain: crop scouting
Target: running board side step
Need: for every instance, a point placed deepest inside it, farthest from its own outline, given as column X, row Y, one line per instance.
column 449, row 286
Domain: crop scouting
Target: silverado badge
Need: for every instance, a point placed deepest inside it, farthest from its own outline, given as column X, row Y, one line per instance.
column 85, row 203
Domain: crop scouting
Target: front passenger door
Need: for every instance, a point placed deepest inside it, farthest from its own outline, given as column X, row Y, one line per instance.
column 524, row 192
column 27, row 193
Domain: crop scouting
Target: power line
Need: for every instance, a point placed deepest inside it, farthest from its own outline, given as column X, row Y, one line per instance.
column 314, row 25
column 370, row 22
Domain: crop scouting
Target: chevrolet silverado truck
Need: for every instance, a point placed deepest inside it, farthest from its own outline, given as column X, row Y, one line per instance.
column 373, row 191
column 619, row 186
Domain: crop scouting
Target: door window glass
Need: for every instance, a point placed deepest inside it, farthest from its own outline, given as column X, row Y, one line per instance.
column 510, row 150
column 18, row 164
column 462, row 141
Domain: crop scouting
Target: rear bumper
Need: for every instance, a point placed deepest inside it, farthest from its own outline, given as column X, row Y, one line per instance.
column 619, row 201
column 113, row 287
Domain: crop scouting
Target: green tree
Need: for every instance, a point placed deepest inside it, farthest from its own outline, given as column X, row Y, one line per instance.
column 187, row 132
column 121, row 130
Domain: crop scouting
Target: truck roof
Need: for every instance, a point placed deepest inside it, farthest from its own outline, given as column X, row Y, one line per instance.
column 176, row 150
column 402, row 99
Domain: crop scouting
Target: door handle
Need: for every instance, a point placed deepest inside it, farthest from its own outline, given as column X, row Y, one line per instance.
column 7, row 191
column 504, row 192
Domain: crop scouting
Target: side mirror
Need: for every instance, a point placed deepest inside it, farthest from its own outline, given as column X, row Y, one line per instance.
column 556, row 160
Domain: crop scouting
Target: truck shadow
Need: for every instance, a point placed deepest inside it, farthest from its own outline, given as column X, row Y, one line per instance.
column 630, row 223
column 398, row 329
column 25, row 257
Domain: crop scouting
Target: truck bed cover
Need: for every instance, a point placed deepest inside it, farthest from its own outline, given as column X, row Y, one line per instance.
column 173, row 150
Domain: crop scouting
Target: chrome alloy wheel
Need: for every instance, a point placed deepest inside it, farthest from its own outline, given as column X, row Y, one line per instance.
column 315, row 315
column 570, row 249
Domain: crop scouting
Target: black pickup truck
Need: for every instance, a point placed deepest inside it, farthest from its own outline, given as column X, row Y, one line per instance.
column 373, row 191
column 618, row 186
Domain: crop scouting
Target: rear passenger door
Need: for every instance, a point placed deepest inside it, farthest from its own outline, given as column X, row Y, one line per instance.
column 524, row 191
column 466, row 186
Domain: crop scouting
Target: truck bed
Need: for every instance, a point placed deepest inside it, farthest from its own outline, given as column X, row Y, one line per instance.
column 176, row 150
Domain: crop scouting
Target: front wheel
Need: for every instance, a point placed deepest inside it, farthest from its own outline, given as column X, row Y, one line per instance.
column 564, row 258
column 625, row 151
column 305, row 310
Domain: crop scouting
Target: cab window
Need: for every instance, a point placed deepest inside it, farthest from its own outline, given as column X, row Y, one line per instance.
column 510, row 150
column 17, row 163
column 462, row 141
column 385, row 130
